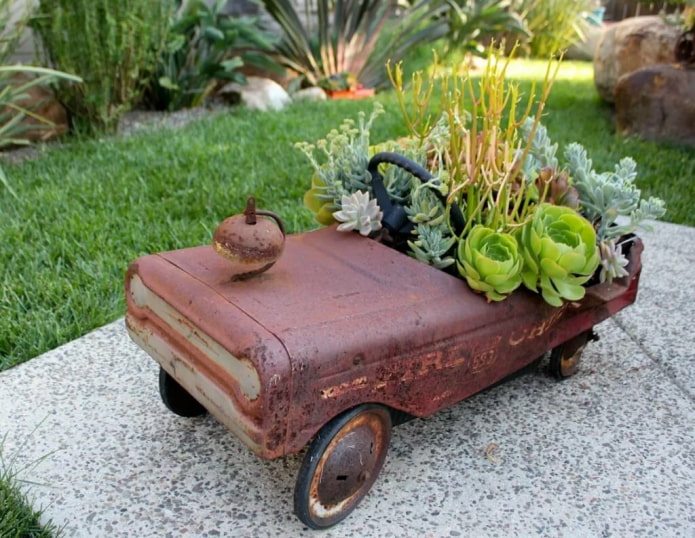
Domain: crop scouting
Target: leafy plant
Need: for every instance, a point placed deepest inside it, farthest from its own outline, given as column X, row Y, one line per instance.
column 433, row 245
column 15, row 82
column 112, row 45
column 500, row 203
column 13, row 93
column 490, row 262
column 608, row 196
column 476, row 146
column 359, row 212
column 471, row 22
column 340, row 168
column 553, row 25
column 203, row 46
column 350, row 38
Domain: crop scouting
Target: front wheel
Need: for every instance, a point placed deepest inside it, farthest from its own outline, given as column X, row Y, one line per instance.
column 176, row 398
column 341, row 465
column 564, row 359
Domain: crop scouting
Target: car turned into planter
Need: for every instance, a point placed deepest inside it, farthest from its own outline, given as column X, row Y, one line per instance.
column 342, row 338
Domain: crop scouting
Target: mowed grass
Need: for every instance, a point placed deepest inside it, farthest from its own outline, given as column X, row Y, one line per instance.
column 85, row 210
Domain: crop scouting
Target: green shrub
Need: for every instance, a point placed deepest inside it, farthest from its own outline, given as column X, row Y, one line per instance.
column 112, row 44
column 15, row 81
column 553, row 24
column 472, row 22
column 203, row 46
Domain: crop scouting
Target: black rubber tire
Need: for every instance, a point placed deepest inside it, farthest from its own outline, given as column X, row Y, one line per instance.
column 565, row 358
column 176, row 398
column 327, row 492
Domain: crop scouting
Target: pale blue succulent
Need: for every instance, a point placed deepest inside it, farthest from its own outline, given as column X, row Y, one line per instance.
column 607, row 196
column 433, row 245
column 542, row 153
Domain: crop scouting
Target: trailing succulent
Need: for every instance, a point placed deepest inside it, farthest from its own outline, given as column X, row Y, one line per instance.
column 531, row 215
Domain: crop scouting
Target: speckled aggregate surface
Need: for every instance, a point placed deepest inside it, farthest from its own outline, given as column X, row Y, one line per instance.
column 609, row 452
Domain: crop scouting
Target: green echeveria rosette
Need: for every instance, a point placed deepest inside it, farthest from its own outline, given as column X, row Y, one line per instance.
column 490, row 262
column 560, row 253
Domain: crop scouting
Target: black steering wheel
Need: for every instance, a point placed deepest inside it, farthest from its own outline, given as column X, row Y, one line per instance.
column 395, row 218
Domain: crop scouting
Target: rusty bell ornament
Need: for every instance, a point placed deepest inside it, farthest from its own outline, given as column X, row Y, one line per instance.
column 251, row 244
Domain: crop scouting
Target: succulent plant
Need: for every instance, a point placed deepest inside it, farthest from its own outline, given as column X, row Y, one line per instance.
column 425, row 206
column 542, row 152
column 490, row 262
column 559, row 251
column 542, row 166
column 397, row 181
column 359, row 212
column 341, row 168
column 604, row 197
column 506, row 206
column 320, row 199
column 433, row 245
column 613, row 261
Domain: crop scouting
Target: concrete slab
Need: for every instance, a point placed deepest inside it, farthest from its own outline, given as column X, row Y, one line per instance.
column 662, row 319
column 608, row 452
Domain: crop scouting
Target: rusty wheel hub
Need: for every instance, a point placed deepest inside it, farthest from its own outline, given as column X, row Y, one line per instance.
column 341, row 466
column 570, row 365
column 564, row 359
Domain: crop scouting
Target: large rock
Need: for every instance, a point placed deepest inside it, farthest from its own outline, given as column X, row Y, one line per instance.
column 657, row 103
column 630, row 45
column 313, row 93
column 258, row 94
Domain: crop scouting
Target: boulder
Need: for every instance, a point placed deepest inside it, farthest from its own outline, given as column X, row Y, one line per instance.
column 657, row 103
column 629, row 45
column 257, row 94
column 313, row 93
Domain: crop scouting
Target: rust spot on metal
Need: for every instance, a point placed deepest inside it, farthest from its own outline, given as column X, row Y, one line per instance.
column 252, row 245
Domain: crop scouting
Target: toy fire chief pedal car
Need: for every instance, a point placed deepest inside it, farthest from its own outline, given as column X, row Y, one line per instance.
column 342, row 338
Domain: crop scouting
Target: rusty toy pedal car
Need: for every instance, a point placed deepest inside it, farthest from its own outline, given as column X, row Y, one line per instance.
column 341, row 339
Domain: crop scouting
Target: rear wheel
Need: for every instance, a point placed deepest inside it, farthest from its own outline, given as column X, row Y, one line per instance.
column 176, row 398
column 341, row 465
column 564, row 359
